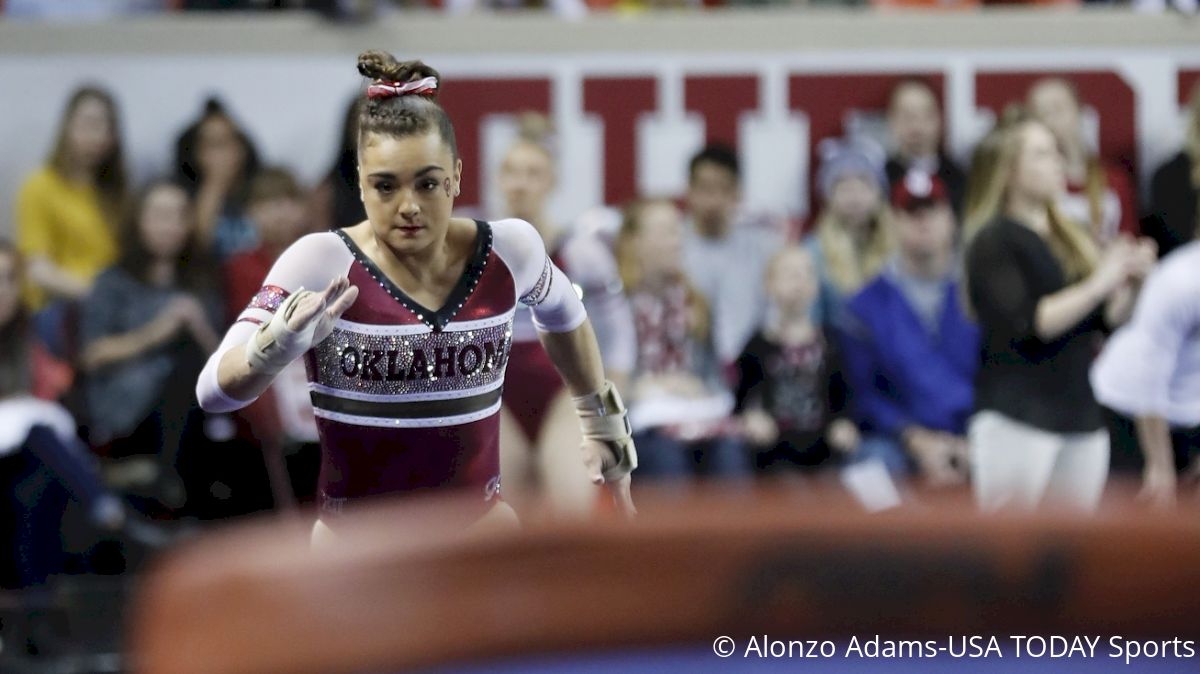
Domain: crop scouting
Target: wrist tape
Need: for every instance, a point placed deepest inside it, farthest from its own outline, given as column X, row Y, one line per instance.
column 603, row 417
column 273, row 345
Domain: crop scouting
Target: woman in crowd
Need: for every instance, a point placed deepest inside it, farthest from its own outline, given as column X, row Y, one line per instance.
column 678, row 404
column 67, row 212
column 1043, row 293
column 217, row 161
column 145, row 327
column 1098, row 194
column 852, row 239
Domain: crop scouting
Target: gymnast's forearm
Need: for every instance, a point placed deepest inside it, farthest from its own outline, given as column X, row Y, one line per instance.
column 239, row 379
column 576, row 356
column 228, row 381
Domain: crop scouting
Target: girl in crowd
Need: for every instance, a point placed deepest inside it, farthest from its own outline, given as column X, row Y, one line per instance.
column 1043, row 294
column 678, row 402
column 67, row 210
column 407, row 326
column 217, row 161
column 1098, row 194
column 790, row 392
column 145, row 327
column 852, row 238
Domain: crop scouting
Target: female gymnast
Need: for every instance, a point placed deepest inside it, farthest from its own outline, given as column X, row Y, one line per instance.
column 405, row 323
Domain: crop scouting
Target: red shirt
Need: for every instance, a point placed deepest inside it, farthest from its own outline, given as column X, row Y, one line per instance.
column 244, row 273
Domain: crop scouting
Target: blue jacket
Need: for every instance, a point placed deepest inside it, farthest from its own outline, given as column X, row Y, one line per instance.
column 898, row 373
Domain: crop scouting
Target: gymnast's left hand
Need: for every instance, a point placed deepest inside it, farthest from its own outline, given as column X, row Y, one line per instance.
column 324, row 308
column 604, row 467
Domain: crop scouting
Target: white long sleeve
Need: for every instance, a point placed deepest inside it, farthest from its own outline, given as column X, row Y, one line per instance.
column 541, row 285
column 309, row 264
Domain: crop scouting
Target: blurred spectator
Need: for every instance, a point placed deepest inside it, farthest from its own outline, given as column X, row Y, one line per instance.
column 911, row 354
column 216, row 161
column 148, row 324
column 852, row 237
column 1099, row 193
column 718, row 235
column 790, row 391
column 1042, row 294
column 42, row 461
column 67, row 210
column 281, row 420
column 337, row 201
column 1149, row 373
column 915, row 124
column 1175, row 188
column 538, row 417
column 276, row 207
column 28, row 367
column 676, row 403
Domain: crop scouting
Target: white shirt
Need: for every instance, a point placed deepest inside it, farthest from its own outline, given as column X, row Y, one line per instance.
column 730, row 273
column 1151, row 366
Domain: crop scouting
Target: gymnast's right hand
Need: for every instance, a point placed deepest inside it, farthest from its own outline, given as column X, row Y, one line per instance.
column 304, row 319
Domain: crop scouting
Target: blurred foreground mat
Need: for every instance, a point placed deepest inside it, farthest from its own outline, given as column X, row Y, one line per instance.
column 402, row 589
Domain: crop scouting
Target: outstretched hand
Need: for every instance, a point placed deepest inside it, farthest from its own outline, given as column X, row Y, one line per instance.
column 598, row 459
column 324, row 308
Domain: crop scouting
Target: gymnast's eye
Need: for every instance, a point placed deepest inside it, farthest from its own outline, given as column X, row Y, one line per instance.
column 385, row 188
column 429, row 185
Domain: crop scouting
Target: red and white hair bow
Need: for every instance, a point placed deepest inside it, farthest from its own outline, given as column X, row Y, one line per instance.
column 381, row 89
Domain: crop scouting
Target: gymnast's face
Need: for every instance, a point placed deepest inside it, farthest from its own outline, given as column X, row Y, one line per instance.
column 408, row 187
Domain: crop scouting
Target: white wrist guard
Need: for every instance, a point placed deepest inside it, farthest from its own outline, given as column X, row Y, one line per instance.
column 603, row 417
column 273, row 346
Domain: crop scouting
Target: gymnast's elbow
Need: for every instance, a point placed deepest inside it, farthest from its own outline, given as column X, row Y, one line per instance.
column 210, row 396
